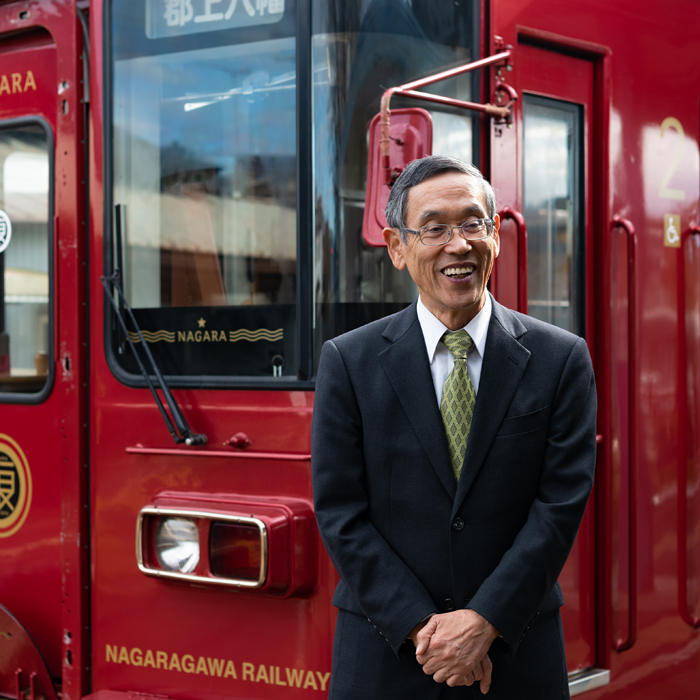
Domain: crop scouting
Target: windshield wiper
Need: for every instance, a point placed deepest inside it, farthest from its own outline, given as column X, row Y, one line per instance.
column 178, row 426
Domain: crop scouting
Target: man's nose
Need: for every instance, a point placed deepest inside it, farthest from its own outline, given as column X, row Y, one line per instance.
column 458, row 243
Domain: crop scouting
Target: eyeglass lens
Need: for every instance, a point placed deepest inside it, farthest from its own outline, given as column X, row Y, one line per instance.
column 437, row 234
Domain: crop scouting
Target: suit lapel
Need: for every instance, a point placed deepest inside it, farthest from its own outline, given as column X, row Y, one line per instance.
column 406, row 364
column 505, row 360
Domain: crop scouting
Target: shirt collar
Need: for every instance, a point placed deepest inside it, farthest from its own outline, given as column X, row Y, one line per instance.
column 433, row 329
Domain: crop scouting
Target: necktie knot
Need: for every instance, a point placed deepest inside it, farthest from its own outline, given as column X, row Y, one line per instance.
column 459, row 344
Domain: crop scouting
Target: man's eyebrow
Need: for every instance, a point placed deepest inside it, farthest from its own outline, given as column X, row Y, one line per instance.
column 471, row 210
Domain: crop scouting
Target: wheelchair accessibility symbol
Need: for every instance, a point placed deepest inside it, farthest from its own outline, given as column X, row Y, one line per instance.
column 15, row 486
column 672, row 230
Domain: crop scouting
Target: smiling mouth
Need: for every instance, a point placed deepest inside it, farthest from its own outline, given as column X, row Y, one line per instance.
column 458, row 272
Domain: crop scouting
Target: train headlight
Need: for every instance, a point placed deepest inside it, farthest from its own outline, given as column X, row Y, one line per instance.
column 235, row 542
column 176, row 544
column 236, row 551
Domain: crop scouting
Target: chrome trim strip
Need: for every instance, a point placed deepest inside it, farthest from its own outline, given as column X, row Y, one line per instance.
column 195, row 578
column 237, row 454
column 588, row 679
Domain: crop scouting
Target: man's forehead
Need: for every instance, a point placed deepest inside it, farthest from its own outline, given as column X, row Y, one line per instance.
column 468, row 186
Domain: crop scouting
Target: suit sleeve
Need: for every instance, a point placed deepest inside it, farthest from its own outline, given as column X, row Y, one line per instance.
column 512, row 595
column 386, row 590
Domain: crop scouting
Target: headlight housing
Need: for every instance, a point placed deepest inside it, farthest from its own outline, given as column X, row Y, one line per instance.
column 240, row 542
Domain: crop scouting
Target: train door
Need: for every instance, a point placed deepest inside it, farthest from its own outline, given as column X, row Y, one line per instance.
column 30, row 390
column 543, row 168
column 201, row 191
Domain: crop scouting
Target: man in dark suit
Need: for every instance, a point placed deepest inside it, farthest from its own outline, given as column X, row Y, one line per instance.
column 453, row 449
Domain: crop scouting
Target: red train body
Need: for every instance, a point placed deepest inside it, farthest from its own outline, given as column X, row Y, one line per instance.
column 210, row 159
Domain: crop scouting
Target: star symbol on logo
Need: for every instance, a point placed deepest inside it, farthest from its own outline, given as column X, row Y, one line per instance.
column 202, row 323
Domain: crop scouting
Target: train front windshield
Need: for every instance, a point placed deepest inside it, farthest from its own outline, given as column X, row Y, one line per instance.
column 218, row 255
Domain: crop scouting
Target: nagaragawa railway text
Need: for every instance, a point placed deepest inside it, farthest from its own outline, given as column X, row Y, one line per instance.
column 221, row 668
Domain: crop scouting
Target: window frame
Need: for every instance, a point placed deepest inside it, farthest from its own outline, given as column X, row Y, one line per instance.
column 578, row 287
column 7, row 397
column 303, row 221
column 305, row 216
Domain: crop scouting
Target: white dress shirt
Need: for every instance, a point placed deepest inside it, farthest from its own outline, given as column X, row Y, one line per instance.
column 440, row 358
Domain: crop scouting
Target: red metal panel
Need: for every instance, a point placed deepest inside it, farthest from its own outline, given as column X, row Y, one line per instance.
column 41, row 528
column 269, row 642
column 72, row 354
column 641, row 180
column 44, row 562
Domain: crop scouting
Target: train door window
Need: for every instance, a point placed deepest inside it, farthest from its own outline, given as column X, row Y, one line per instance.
column 25, row 261
column 552, row 198
column 360, row 49
column 204, row 163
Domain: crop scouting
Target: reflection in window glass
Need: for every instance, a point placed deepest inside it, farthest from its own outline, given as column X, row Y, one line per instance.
column 552, row 203
column 205, row 168
column 24, row 263
column 359, row 50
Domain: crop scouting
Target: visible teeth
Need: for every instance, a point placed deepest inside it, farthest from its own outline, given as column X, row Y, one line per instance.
column 450, row 271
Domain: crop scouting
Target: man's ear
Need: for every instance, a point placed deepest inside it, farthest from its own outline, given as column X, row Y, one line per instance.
column 496, row 238
column 395, row 247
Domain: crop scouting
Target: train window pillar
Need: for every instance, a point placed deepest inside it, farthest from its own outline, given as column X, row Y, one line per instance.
column 25, row 228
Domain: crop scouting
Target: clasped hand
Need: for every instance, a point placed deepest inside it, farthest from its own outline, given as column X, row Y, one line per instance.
column 453, row 647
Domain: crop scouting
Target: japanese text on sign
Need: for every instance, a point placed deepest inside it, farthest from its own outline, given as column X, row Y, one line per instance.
column 176, row 17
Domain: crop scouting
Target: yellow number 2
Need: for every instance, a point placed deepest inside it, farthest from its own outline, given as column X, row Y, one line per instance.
column 664, row 190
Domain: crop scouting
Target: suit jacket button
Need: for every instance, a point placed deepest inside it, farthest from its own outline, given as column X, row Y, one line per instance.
column 449, row 604
column 458, row 523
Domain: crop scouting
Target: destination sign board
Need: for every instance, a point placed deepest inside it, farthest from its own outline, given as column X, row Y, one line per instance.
column 167, row 18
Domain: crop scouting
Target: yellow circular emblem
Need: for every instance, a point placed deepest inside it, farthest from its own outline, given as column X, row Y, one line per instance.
column 15, row 486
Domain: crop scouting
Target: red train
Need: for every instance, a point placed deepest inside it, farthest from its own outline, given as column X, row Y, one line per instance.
column 183, row 223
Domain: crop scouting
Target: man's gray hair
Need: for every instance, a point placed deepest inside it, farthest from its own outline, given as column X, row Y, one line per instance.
column 420, row 170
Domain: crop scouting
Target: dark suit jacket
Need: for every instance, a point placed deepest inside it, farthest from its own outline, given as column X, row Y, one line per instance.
column 406, row 539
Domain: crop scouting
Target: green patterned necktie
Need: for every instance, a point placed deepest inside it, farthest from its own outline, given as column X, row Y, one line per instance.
column 458, row 399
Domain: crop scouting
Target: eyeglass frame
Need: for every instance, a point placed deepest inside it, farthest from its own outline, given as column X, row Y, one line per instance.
column 460, row 227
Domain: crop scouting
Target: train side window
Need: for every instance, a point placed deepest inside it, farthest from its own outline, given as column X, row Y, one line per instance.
column 25, row 261
column 204, row 172
column 553, row 209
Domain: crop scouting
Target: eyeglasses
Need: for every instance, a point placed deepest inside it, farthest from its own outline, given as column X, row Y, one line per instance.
column 440, row 234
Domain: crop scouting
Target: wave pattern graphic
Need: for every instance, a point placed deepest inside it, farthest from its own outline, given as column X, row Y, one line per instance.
column 253, row 336
column 232, row 336
column 153, row 336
